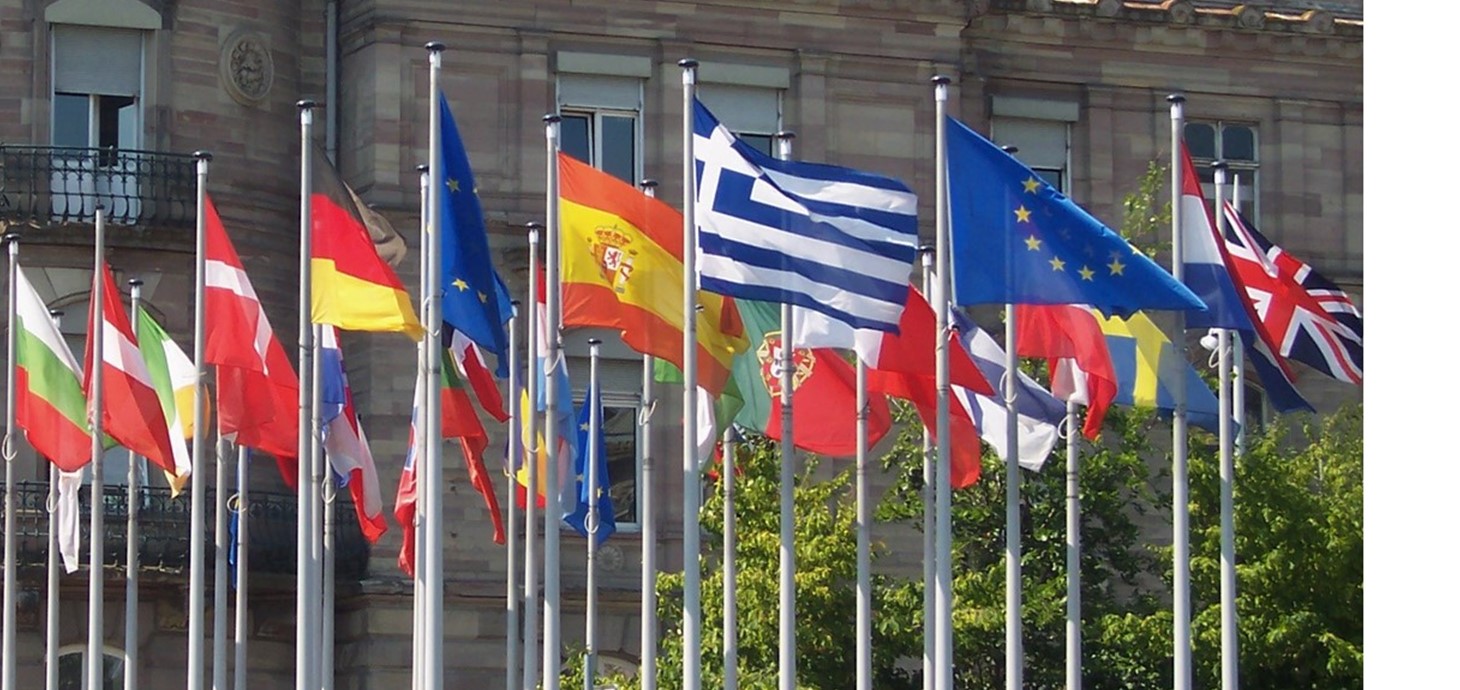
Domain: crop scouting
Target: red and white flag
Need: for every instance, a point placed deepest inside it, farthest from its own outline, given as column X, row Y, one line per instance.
column 130, row 410
column 1079, row 358
column 258, row 392
column 473, row 365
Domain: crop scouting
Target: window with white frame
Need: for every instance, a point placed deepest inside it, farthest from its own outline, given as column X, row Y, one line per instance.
column 601, row 123
column 1235, row 143
column 96, row 103
column 752, row 113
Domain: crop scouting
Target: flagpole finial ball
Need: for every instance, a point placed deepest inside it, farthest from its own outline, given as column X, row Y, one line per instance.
column 785, row 135
column 203, row 155
column 12, row 237
column 423, row 168
column 135, row 282
column 516, row 303
column 1176, row 98
column 435, row 46
column 1011, row 150
column 1219, row 165
column 689, row 63
column 552, row 117
column 57, row 313
column 648, row 183
column 927, row 248
column 941, row 80
column 595, row 341
column 534, row 225
column 305, row 104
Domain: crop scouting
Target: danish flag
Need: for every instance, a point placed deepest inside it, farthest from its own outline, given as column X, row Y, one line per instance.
column 1304, row 314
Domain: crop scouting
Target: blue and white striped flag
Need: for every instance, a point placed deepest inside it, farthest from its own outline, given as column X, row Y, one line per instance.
column 831, row 239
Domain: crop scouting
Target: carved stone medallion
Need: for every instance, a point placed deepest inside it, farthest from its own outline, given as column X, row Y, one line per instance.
column 247, row 67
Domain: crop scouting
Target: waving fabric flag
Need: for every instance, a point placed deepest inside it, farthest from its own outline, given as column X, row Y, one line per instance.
column 831, row 239
column 578, row 518
column 922, row 391
column 1038, row 413
column 344, row 441
column 623, row 268
column 1307, row 316
column 177, row 383
column 1016, row 240
column 405, row 492
column 50, row 405
column 473, row 300
column 1210, row 271
column 354, row 288
column 1069, row 335
column 1146, row 363
column 473, row 365
column 459, row 421
column 130, row 411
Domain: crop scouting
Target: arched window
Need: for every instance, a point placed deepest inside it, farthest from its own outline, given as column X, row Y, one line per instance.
column 73, row 668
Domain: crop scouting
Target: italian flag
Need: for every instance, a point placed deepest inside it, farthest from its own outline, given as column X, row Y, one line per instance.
column 176, row 381
column 50, row 405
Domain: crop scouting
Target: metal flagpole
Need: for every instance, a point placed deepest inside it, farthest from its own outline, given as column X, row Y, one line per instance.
column 788, row 478
column 240, row 614
column 648, row 537
column 434, row 535
column 693, row 616
column 198, row 482
column 590, row 522
column 930, row 560
column 306, row 650
column 129, row 626
column 1227, row 469
column 530, row 676
column 327, row 583
column 943, row 601
column 418, row 587
column 552, row 604
column 731, row 570
column 1074, row 641
column 514, row 457
column 1180, row 498
column 98, row 532
column 864, row 540
column 53, row 568
column 7, row 674
column 316, row 510
column 220, row 562
column 1239, row 388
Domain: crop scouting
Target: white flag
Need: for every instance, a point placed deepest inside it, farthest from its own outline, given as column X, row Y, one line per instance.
column 68, row 519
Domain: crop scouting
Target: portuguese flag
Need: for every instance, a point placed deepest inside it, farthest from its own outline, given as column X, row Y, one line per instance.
column 50, row 405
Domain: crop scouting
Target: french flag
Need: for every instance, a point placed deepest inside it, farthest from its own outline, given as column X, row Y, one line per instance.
column 1208, row 272
column 344, row 441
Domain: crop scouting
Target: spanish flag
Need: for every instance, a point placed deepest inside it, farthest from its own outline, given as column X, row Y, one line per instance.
column 623, row 268
column 353, row 288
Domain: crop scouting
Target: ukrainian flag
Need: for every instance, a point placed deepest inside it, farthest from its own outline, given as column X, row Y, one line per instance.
column 1146, row 364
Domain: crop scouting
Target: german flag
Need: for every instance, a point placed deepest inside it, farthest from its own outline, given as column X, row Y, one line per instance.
column 353, row 287
column 623, row 268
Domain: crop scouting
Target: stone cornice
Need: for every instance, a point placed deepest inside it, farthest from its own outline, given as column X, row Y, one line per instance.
column 1273, row 17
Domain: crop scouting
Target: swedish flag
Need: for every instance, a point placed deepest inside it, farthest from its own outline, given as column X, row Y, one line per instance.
column 1146, row 363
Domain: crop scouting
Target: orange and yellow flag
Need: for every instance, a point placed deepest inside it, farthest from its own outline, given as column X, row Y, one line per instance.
column 623, row 268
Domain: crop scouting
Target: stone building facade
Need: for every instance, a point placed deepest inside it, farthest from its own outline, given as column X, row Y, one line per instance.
column 1078, row 85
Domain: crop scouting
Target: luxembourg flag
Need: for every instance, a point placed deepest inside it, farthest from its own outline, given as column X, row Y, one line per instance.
column 344, row 440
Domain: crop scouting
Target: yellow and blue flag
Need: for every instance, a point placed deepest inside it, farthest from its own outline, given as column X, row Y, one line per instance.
column 1146, row 364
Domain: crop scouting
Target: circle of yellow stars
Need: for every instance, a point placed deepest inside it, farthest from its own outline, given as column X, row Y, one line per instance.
column 1032, row 242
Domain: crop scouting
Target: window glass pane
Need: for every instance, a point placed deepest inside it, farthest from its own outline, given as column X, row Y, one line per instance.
column 72, row 126
column 1201, row 140
column 620, row 431
column 72, row 667
column 1239, row 143
column 619, row 158
column 1054, row 178
column 759, row 142
column 576, row 133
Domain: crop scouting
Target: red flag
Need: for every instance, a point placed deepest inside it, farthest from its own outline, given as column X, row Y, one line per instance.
column 922, row 392
column 1065, row 335
column 825, row 398
column 474, row 366
column 258, row 391
column 405, row 497
column 130, row 410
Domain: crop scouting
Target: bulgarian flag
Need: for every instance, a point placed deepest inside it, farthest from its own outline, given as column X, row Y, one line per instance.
column 177, row 385
column 50, row 405
column 130, row 410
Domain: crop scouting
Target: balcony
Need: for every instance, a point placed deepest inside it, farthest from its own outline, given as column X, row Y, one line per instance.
column 163, row 524
column 61, row 188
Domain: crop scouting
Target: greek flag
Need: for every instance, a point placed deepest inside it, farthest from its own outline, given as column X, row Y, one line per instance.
column 830, row 239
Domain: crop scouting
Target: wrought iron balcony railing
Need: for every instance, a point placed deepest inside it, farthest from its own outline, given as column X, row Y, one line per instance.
column 57, row 185
column 163, row 525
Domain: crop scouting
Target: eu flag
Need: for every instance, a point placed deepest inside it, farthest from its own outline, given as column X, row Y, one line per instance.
column 578, row 518
column 1016, row 240
column 474, row 300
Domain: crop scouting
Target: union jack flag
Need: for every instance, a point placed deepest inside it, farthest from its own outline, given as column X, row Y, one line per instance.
column 1305, row 315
